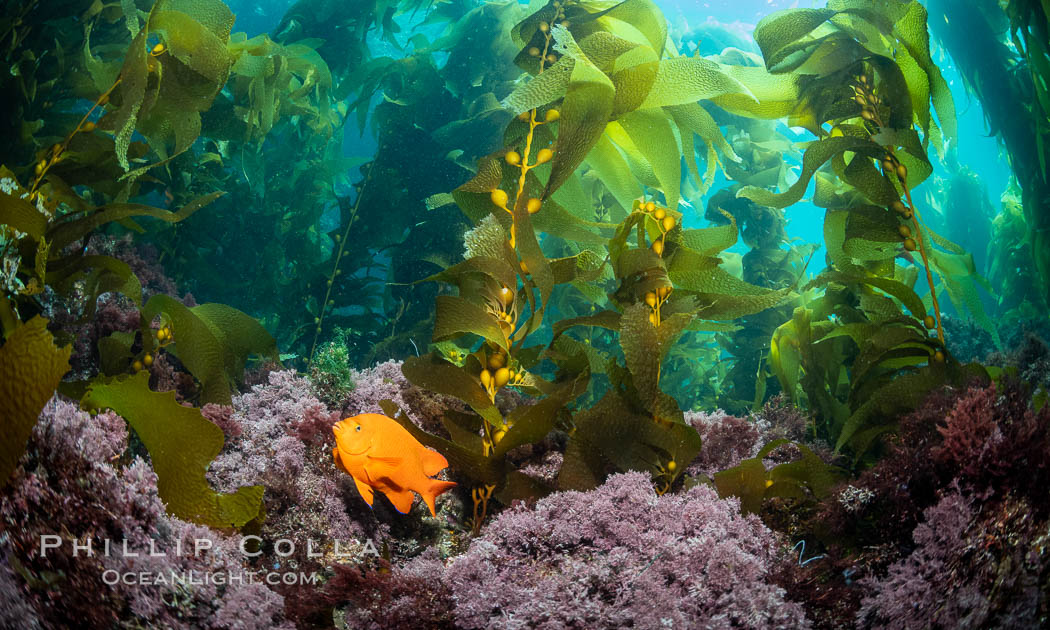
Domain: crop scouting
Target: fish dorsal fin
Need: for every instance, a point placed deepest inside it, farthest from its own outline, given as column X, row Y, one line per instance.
column 433, row 462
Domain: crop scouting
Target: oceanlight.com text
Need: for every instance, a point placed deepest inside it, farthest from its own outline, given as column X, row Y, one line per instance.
column 200, row 578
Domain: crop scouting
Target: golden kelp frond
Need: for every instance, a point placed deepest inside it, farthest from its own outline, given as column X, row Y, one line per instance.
column 821, row 42
column 181, row 443
column 606, row 64
column 172, row 71
column 30, row 369
column 271, row 80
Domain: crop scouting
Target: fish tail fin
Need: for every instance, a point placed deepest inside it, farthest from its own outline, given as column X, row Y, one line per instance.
column 433, row 489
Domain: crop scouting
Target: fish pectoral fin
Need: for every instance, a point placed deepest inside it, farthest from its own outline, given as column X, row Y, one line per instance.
column 402, row 499
column 367, row 493
column 388, row 461
column 433, row 462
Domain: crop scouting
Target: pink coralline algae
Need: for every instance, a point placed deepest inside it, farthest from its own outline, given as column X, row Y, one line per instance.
column 620, row 556
column 727, row 440
column 74, row 484
column 975, row 565
column 994, row 438
column 279, row 435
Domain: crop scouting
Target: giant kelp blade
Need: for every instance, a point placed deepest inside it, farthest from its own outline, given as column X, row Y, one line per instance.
column 455, row 316
column 686, row 80
column 746, row 481
column 584, row 112
column 477, row 468
column 212, row 343
column 652, row 135
column 607, row 161
column 645, row 346
column 17, row 212
column 816, row 155
column 108, row 274
column 181, row 443
column 530, row 424
column 545, row 88
column 782, row 29
column 770, row 95
column 30, row 370
column 67, row 232
column 239, row 333
column 433, row 373
column 612, row 436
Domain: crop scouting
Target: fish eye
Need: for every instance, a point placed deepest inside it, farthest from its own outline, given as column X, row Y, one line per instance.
column 357, row 428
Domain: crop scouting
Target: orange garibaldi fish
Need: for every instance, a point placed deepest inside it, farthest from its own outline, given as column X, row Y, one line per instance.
column 381, row 455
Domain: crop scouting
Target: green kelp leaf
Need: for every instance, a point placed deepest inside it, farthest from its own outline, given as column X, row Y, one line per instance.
column 782, row 29
column 911, row 30
column 746, row 481
column 897, row 343
column 455, row 316
column 722, row 296
column 521, row 487
column 709, row 241
column 109, row 274
column 613, row 437
column 114, row 352
column 583, row 267
column 568, row 353
column 531, row 423
column 959, row 275
column 586, row 109
column 862, row 174
column 496, row 268
column 614, row 172
column 905, row 294
column 816, row 155
column 642, row 16
column 134, row 77
column 555, row 220
column 475, row 467
column 633, row 83
column 686, row 80
column 603, row 319
column 547, row 87
column 607, row 52
column 810, row 471
column 645, row 346
column 464, row 429
column 30, row 370
column 784, row 356
column 181, row 444
column 64, row 233
column 777, row 95
column 651, row 132
column 433, row 373
column 699, row 121
column 528, row 246
column 19, row 213
column 240, row 335
column 192, row 43
column 196, row 346
column 902, row 393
